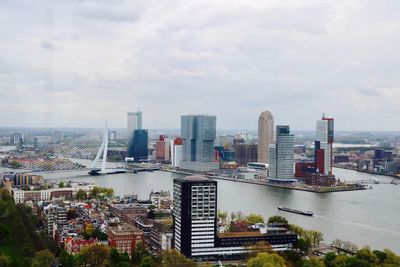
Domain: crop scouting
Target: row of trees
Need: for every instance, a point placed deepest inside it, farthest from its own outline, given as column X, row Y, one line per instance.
column 102, row 256
column 362, row 258
column 96, row 192
column 307, row 238
column 251, row 218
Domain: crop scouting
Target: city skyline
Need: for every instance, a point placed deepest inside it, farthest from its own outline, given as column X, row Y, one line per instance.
column 78, row 63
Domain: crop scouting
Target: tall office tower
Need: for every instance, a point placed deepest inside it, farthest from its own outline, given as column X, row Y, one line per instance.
column 138, row 147
column 162, row 149
column 323, row 145
column 265, row 135
column 17, row 138
column 57, row 137
column 245, row 153
column 176, row 152
column 281, row 155
column 198, row 133
column 195, row 215
column 134, row 122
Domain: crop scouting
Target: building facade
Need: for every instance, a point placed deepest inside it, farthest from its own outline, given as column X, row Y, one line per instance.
column 281, row 155
column 162, row 149
column 176, row 152
column 324, row 145
column 194, row 214
column 138, row 146
column 265, row 135
column 245, row 153
column 195, row 225
column 125, row 238
column 198, row 133
column 134, row 122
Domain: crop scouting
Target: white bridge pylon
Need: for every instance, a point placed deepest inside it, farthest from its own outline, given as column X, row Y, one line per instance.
column 103, row 149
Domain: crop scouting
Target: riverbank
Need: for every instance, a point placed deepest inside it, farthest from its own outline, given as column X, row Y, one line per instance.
column 312, row 189
column 366, row 171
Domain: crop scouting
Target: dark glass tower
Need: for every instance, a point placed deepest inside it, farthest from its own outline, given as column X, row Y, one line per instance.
column 138, row 145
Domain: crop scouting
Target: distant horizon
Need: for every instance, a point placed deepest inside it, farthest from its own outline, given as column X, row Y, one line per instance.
column 177, row 129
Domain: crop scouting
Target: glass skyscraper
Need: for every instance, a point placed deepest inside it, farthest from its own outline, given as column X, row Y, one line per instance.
column 281, row 155
column 138, row 145
column 198, row 133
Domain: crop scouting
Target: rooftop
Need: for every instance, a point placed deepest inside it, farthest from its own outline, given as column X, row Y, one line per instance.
column 240, row 234
column 194, row 178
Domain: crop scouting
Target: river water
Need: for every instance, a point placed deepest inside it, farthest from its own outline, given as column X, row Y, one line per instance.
column 369, row 217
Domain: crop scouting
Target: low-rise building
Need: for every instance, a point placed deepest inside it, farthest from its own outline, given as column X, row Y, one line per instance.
column 123, row 210
column 160, row 237
column 157, row 197
column 73, row 245
column 125, row 238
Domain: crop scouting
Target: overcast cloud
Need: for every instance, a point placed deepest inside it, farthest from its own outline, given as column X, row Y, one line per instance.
column 77, row 63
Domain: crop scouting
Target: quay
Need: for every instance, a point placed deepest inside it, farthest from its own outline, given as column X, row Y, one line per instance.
column 313, row 189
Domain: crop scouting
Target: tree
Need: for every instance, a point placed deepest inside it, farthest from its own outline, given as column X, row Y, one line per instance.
column 255, row 218
column 66, row 259
column 277, row 219
column 108, row 192
column 340, row 260
column 43, row 258
column 138, row 254
column 95, row 192
column 259, row 247
column 302, row 245
column 381, row 256
column 329, row 259
column 222, row 215
column 61, row 185
column 146, row 262
column 317, row 237
column 366, row 254
column 293, row 258
column 5, row 261
column 267, row 260
column 96, row 255
column 314, row 262
column 391, row 258
column 81, row 194
column 233, row 216
column 172, row 258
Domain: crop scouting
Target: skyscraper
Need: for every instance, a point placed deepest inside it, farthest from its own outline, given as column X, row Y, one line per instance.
column 134, row 122
column 323, row 145
column 265, row 135
column 195, row 215
column 281, row 155
column 17, row 138
column 138, row 146
column 198, row 133
column 176, row 152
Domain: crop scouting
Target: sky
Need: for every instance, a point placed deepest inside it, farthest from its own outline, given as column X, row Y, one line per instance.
column 76, row 63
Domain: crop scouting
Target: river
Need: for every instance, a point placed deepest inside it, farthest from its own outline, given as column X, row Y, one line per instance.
column 369, row 217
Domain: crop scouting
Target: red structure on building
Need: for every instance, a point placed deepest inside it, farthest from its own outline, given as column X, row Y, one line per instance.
column 125, row 238
column 178, row 141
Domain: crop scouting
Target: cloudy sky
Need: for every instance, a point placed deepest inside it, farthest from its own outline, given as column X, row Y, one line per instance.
column 76, row 63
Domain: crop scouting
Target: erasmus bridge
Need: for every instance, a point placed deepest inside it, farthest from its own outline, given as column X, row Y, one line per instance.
column 71, row 155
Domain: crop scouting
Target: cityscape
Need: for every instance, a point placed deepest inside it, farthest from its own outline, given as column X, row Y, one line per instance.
column 184, row 134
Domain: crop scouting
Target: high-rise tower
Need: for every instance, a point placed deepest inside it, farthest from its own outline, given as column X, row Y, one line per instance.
column 324, row 145
column 281, row 155
column 265, row 135
column 198, row 133
column 134, row 122
column 195, row 215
